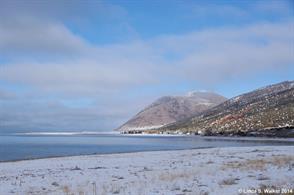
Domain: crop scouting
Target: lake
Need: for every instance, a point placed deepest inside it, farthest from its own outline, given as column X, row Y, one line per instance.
column 20, row 147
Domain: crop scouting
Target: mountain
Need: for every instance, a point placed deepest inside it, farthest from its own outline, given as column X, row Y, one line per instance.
column 268, row 111
column 170, row 109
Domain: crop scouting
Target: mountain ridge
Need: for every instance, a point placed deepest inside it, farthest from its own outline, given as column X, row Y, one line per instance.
column 169, row 109
column 268, row 108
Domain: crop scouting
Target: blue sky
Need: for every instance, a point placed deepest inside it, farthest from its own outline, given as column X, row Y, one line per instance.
column 91, row 65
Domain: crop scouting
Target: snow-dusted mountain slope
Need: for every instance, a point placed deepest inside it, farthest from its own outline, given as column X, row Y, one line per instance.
column 170, row 109
column 266, row 111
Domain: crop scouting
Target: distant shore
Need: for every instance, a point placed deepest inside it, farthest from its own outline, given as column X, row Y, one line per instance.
column 271, row 132
column 235, row 137
column 199, row 171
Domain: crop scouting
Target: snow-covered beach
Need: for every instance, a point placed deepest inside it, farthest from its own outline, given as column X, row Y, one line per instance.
column 228, row 170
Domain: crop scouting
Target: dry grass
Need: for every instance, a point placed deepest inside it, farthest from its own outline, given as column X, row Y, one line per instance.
column 282, row 161
column 66, row 190
column 260, row 164
column 170, row 177
column 228, row 181
column 262, row 177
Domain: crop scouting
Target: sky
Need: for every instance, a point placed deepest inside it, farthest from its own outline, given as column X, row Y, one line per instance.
column 91, row 65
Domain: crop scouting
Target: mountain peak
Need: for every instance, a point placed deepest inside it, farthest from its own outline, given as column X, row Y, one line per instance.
column 169, row 109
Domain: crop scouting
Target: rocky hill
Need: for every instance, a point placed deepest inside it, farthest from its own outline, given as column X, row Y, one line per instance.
column 268, row 111
column 170, row 109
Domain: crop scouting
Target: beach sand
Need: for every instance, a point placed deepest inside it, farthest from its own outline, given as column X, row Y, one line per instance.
column 234, row 170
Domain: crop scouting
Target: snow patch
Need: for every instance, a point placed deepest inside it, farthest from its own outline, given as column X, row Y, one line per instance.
column 205, row 103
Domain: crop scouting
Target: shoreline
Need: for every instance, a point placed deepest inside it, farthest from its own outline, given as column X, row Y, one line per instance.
column 191, row 171
column 269, row 132
column 213, row 138
column 289, row 141
column 103, row 154
column 245, row 138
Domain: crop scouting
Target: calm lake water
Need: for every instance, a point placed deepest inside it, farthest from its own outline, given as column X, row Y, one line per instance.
column 17, row 147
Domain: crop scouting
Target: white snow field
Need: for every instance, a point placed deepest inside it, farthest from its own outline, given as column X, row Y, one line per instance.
column 237, row 170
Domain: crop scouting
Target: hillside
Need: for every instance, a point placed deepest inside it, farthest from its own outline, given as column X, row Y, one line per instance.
column 170, row 109
column 268, row 111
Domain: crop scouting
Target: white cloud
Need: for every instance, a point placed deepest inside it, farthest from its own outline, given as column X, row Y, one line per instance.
column 28, row 36
column 214, row 55
column 40, row 114
column 208, row 56
column 83, row 77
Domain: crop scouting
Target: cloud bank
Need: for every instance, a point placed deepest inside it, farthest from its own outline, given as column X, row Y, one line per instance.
column 219, row 53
